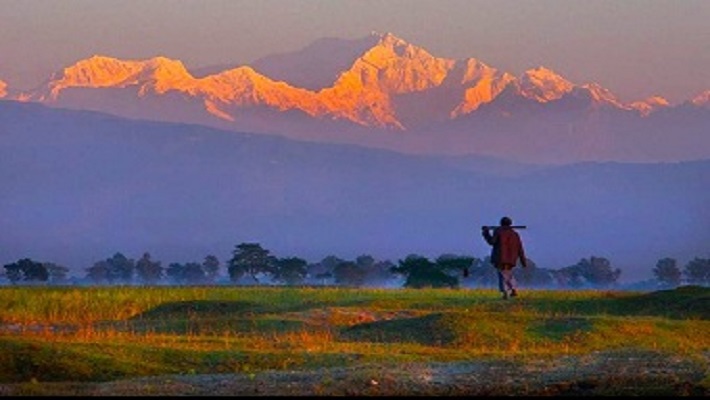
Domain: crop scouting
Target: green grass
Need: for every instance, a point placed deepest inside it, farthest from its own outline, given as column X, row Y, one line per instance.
column 101, row 334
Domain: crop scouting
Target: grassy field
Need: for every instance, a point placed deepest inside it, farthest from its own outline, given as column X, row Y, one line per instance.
column 53, row 340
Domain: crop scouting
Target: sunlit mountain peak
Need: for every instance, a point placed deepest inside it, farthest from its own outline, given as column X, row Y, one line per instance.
column 245, row 86
column 162, row 74
column 159, row 74
column 402, row 67
column 647, row 106
column 363, row 93
column 239, row 73
column 600, row 95
column 482, row 83
column 97, row 71
column 701, row 100
column 379, row 81
column 543, row 84
column 3, row 89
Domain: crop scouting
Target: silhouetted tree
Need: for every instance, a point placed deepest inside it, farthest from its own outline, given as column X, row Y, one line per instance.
column 250, row 259
column 322, row 271
column 34, row 271
column 291, row 270
column 667, row 272
column 116, row 269
column 697, row 271
column 533, row 276
column 569, row 277
column 147, row 270
column 57, row 273
column 482, row 273
column 595, row 272
column 377, row 273
column 454, row 264
column 13, row 272
column 193, row 273
column 26, row 270
column 211, row 267
column 420, row 272
column 175, row 273
column 348, row 273
column 99, row 272
column 121, row 268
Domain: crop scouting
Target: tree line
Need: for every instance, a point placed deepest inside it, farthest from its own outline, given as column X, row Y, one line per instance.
column 252, row 264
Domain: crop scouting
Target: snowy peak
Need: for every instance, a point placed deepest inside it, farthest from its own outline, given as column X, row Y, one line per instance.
column 481, row 85
column 401, row 67
column 701, row 100
column 649, row 105
column 245, row 86
column 364, row 92
column 544, row 85
column 380, row 81
column 159, row 74
column 598, row 95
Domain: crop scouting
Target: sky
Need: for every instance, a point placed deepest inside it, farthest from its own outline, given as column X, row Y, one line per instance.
column 635, row 48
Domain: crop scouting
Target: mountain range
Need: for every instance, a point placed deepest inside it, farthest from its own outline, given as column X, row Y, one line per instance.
column 346, row 147
column 381, row 91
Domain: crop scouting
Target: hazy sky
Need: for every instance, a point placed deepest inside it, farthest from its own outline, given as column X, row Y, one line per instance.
column 636, row 48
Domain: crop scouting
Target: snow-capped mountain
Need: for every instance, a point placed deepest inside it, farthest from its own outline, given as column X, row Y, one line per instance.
column 701, row 100
column 651, row 104
column 377, row 89
column 335, row 88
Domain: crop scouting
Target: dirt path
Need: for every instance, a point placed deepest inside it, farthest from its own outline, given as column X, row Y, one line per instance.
column 599, row 374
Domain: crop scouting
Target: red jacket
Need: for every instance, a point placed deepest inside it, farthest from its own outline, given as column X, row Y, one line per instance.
column 507, row 246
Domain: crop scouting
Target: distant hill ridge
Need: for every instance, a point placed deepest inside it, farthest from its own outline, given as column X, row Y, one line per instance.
column 80, row 186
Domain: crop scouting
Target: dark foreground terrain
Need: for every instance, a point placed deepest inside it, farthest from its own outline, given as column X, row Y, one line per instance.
column 633, row 374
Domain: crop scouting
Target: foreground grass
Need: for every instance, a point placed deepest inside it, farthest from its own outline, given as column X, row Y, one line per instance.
column 105, row 334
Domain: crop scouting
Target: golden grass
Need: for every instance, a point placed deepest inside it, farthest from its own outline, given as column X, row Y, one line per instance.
column 208, row 329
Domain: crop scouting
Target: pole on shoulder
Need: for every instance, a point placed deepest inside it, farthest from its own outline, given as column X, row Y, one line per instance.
column 498, row 226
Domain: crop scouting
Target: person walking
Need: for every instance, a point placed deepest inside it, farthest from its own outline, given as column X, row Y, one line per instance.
column 507, row 250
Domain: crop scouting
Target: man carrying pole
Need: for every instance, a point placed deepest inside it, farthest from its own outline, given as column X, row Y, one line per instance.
column 507, row 250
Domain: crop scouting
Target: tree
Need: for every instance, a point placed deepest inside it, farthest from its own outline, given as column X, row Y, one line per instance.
column 120, row 269
column 377, row 273
column 57, row 273
column 697, row 271
column 211, row 267
column 250, row 259
column 569, row 277
column 322, row 271
column 420, row 272
column 26, row 270
column 193, row 273
column 667, row 272
column 99, row 272
column 34, row 271
column 291, row 270
column 600, row 273
column 13, row 272
column 453, row 264
column 116, row 269
column 595, row 272
column 482, row 273
column 147, row 270
column 532, row 276
column 175, row 272
column 348, row 273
